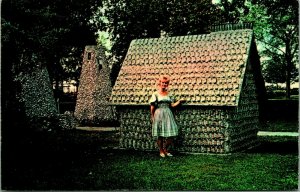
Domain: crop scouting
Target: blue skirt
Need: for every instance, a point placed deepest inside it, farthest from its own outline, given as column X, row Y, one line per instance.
column 164, row 124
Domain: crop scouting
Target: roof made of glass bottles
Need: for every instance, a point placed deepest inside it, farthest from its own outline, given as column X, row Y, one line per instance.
column 205, row 69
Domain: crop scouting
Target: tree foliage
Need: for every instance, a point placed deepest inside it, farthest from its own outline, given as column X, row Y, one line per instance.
column 46, row 32
column 126, row 20
column 276, row 28
column 232, row 10
column 42, row 33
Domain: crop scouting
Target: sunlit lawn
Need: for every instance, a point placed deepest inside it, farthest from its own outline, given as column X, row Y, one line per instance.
column 82, row 160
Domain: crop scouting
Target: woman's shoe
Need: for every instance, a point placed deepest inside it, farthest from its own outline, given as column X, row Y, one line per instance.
column 169, row 154
column 162, row 155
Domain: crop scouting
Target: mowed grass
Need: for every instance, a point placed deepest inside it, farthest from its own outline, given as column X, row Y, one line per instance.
column 146, row 171
column 82, row 160
column 281, row 126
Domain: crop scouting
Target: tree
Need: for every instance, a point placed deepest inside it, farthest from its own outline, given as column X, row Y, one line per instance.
column 276, row 29
column 48, row 33
column 53, row 33
column 126, row 20
column 191, row 17
column 232, row 10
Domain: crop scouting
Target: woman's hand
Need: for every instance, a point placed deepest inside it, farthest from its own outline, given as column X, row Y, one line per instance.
column 182, row 100
column 178, row 102
column 152, row 110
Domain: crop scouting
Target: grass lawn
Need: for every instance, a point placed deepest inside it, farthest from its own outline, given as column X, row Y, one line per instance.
column 281, row 126
column 293, row 97
column 83, row 160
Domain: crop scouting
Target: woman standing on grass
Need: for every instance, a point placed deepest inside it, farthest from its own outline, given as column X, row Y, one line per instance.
column 164, row 127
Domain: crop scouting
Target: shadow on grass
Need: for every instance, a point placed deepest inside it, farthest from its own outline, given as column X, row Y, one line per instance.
column 276, row 145
column 66, row 160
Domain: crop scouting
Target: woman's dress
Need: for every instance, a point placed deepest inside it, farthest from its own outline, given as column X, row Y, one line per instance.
column 164, row 124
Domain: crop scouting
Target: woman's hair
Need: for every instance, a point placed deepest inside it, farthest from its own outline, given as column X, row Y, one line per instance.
column 163, row 77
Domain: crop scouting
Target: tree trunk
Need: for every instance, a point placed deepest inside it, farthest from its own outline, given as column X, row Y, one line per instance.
column 288, row 59
column 288, row 83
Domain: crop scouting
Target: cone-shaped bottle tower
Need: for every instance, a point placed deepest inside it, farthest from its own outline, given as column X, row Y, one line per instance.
column 92, row 107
